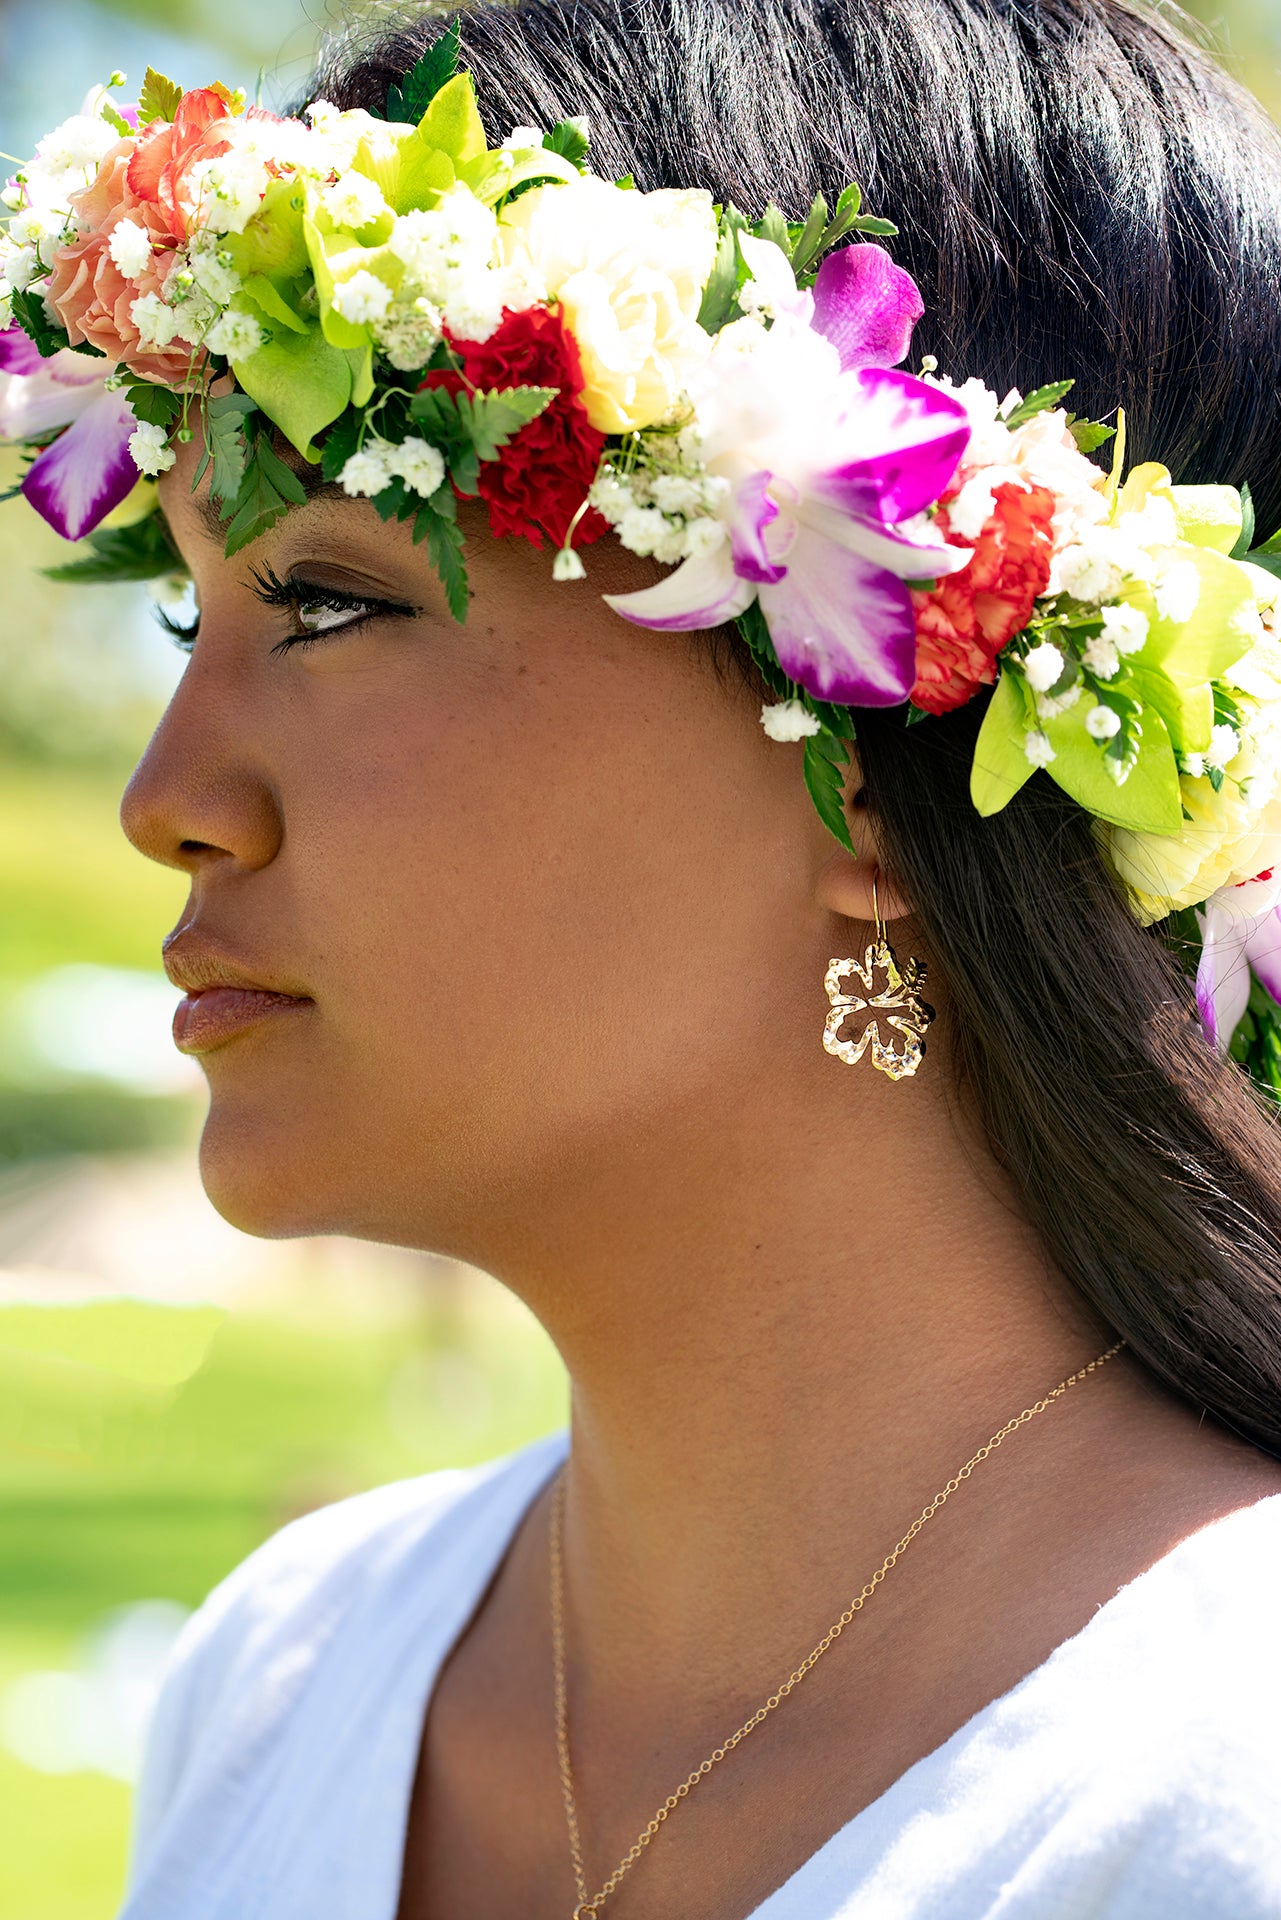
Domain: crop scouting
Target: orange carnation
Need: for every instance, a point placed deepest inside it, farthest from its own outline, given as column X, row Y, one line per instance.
column 963, row 623
column 86, row 288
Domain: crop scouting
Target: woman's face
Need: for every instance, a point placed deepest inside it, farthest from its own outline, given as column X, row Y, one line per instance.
column 544, row 885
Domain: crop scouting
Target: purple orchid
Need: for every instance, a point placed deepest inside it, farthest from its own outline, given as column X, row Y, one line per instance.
column 76, row 481
column 833, row 459
column 1241, row 931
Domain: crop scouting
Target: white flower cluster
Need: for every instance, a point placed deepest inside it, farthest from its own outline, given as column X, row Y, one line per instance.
column 379, row 462
column 38, row 197
column 667, row 505
column 451, row 279
column 151, row 453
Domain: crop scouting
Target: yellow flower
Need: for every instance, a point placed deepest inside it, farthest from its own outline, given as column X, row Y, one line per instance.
column 628, row 270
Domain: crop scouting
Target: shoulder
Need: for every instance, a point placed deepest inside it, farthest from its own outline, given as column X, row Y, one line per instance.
column 1136, row 1772
column 250, row 1651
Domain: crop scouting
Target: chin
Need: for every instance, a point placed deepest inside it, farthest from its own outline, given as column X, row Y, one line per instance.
column 260, row 1177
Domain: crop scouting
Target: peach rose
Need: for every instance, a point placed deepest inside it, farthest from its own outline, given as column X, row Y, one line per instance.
column 88, row 291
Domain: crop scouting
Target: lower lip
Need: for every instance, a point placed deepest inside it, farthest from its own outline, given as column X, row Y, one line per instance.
column 206, row 1020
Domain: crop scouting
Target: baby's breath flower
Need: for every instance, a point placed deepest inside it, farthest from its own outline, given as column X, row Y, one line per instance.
column 130, row 247
column 1038, row 748
column 567, row 565
column 1100, row 655
column 236, row 335
column 1225, row 744
column 789, row 720
column 1043, row 665
column 1102, row 722
column 367, row 472
column 362, row 298
column 1178, row 593
column 1126, row 627
column 151, row 455
column 418, row 464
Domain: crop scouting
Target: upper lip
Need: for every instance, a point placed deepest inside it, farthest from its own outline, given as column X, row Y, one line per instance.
column 196, row 963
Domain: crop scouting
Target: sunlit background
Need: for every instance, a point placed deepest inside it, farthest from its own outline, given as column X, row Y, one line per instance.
column 170, row 1390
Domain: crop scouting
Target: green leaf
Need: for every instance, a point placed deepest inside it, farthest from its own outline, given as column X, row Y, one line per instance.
column 756, row 636
column 1147, row 801
column 824, row 758
column 916, row 713
column 720, row 295
column 806, row 243
column 114, row 118
column 1001, row 765
column 268, row 490
column 1248, row 518
column 772, row 226
column 1039, row 401
column 492, row 419
column 141, row 551
column 452, row 122
column 44, row 333
column 159, row 98
column 1089, row 434
column 154, row 406
column 228, row 446
column 570, row 139
column 434, row 69
column 437, row 524
column 267, row 297
column 300, row 382
column 873, row 224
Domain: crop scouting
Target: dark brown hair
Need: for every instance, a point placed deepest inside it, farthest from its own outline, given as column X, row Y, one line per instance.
column 1080, row 190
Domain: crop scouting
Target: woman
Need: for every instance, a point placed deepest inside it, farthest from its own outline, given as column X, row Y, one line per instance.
column 510, row 941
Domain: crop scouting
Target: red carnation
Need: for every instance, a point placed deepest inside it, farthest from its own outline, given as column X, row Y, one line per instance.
column 963, row 624
column 541, row 477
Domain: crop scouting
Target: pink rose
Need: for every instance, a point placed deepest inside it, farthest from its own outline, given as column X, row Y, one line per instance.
column 86, row 288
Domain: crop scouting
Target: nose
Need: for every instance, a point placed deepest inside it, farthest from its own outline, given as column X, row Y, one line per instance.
column 201, row 793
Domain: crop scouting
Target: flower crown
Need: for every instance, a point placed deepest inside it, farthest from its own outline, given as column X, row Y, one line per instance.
column 424, row 318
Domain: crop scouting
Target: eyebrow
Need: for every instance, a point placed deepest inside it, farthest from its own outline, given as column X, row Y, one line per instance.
column 318, row 491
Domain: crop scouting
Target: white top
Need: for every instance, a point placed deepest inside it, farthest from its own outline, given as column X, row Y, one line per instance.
column 1134, row 1775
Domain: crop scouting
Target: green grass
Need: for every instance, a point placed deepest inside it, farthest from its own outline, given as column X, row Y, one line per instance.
column 289, row 1411
column 72, row 886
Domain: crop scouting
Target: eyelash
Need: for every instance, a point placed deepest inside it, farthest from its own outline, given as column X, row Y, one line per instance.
column 297, row 596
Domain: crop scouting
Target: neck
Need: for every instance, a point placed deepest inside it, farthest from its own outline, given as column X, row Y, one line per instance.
column 783, row 1340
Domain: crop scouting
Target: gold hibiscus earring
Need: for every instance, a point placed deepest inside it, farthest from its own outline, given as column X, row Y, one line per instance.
column 899, row 1001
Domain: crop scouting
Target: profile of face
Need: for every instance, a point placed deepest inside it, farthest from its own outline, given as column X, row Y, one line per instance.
column 551, row 899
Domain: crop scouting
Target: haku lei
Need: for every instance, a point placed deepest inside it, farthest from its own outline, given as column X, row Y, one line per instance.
column 427, row 318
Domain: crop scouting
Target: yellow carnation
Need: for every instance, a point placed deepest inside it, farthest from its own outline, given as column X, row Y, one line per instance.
column 628, row 270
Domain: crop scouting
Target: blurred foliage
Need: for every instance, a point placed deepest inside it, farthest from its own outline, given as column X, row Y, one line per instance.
column 291, row 1410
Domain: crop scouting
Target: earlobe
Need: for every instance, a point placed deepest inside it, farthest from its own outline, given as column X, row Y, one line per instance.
column 844, row 884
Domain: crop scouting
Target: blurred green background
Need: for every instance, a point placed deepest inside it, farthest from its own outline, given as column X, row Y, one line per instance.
column 181, row 1390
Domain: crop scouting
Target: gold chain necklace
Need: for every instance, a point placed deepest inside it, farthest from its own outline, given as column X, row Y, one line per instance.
column 588, row 1906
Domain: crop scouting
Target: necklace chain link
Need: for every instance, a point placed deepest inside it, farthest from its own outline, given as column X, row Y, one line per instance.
column 590, row 1905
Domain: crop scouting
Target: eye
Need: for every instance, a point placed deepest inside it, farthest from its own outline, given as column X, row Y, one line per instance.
column 182, row 634
column 320, row 611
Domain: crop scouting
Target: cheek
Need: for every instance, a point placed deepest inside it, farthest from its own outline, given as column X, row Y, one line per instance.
column 539, row 917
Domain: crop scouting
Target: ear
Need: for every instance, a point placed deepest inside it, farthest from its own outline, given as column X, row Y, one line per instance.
column 844, row 882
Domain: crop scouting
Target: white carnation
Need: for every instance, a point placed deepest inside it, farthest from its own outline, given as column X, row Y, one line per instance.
column 1043, row 666
column 362, row 298
column 130, row 247
column 788, row 720
column 151, row 455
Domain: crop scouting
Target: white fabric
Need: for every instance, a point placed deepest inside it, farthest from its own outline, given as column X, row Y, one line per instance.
column 1135, row 1775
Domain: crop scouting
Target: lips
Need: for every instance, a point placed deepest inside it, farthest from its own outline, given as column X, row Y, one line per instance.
column 205, row 1020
